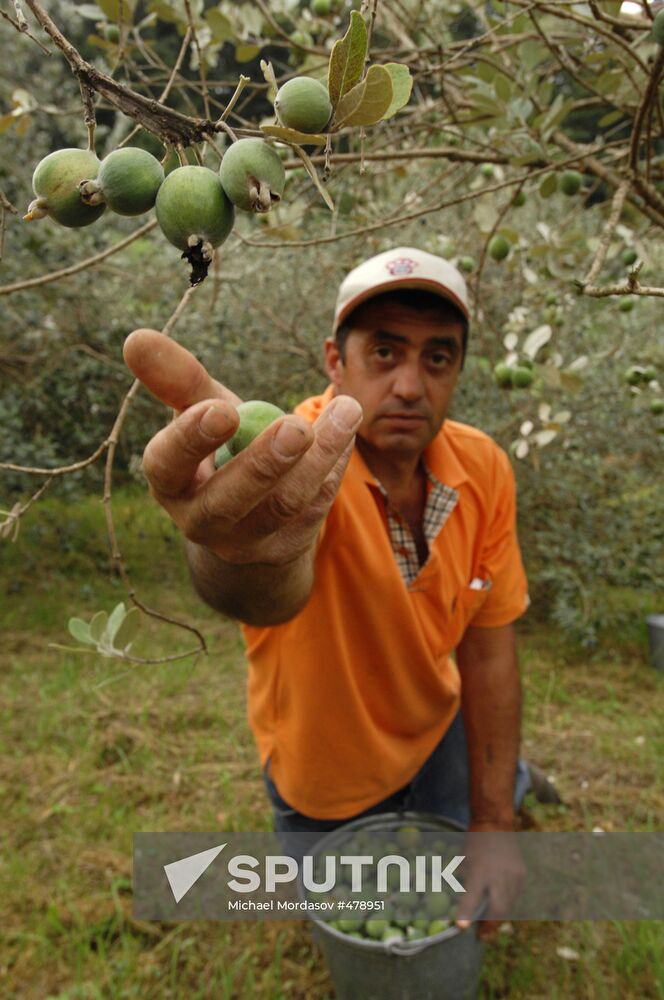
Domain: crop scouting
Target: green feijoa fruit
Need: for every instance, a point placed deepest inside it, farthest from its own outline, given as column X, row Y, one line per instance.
column 522, row 377
column 303, row 104
column 356, row 935
column 112, row 33
column 633, row 375
column 420, row 923
column 321, row 7
column 629, row 256
column 487, row 170
column 466, row 264
column 252, row 175
column 437, row 927
column 222, row 456
column 401, row 919
column 191, row 206
column 499, row 247
column 658, row 28
column 626, row 304
column 657, row 407
column 502, row 375
column 56, row 183
column 519, row 199
column 255, row 416
column 570, row 182
column 302, row 39
column 128, row 181
column 415, row 933
column 526, row 362
column 392, row 933
column 551, row 299
column 408, row 836
column 649, row 373
column 348, row 924
column 376, row 927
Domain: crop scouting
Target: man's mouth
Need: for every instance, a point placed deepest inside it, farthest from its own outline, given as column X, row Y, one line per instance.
column 404, row 417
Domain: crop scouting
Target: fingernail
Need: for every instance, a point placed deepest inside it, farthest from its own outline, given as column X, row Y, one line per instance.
column 346, row 413
column 290, row 439
column 214, row 423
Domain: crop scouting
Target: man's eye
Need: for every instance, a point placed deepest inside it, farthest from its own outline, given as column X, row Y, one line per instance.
column 440, row 360
column 384, row 353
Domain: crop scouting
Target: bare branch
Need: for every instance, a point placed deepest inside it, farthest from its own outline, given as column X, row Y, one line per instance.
column 66, row 272
column 611, row 223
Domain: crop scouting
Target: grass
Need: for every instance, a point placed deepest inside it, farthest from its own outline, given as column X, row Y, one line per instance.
column 92, row 751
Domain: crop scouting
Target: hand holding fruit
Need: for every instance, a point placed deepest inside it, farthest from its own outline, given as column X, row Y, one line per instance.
column 265, row 506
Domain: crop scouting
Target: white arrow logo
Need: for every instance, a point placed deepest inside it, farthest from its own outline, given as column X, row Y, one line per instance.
column 183, row 874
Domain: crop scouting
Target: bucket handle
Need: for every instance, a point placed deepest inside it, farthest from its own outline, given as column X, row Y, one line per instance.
column 409, row 948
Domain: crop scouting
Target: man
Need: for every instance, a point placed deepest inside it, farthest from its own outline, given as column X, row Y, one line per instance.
column 360, row 542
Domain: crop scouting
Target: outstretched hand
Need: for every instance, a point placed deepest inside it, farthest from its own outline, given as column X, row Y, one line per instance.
column 265, row 506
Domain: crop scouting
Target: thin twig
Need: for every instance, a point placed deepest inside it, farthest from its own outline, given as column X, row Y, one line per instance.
column 116, row 554
column 611, row 223
column 11, row 522
column 241, row 84
column 651, row 92
column 46, row 279
column 201, row 62
column 24, row 31
column 169, row 83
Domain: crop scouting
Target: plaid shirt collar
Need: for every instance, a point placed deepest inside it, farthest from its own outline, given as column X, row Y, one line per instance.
column 441, row 501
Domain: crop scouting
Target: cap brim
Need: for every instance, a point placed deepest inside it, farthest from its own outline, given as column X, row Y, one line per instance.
column 388, row 286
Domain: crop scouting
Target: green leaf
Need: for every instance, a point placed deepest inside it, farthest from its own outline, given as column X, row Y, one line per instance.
column 503, row 87
column 128, row 629
column 88, row 10
column 80, row 630
column 220, row 27
column 311, row 170
column 292, row 136
column 268, row 72
column 6, row 121
column 548, row 186
column 113, row 10
column 402, row 85
column 538, row 338
column 610, row 118
column 367, row 103
column 115, row 621
column 347, row 59
column 98, row 625
column 245, row 53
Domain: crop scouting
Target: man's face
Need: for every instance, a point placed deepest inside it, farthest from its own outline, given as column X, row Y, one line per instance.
column 402, row 365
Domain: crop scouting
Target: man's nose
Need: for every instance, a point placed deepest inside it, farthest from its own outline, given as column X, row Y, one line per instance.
column 408, row 382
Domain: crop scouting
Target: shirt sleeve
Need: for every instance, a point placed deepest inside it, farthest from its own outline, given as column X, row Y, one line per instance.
column 500, row 560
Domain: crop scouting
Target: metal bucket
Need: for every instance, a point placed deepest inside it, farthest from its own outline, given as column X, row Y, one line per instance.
column 656, row 641
column 445, row 966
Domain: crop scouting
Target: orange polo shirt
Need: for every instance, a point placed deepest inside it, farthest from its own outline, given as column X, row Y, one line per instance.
column 350, row 697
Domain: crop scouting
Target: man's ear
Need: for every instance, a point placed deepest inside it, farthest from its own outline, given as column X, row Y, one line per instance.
column 333, row 362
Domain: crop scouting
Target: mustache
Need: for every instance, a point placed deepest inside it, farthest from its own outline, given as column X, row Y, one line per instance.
column 403, row 409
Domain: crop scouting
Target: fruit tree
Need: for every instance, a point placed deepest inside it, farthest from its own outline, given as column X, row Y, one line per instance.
column 275, row 144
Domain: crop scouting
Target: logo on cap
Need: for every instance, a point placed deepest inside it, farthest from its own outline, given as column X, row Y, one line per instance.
column 402, row 265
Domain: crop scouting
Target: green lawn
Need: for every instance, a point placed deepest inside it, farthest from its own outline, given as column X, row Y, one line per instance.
column 93, row 750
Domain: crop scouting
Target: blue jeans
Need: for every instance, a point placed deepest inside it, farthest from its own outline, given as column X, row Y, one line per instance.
column 440, row 787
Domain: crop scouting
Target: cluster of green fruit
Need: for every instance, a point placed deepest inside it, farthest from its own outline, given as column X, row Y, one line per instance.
column 518, row 376
column 640, row 374
column 195, row 205
column 408, row 916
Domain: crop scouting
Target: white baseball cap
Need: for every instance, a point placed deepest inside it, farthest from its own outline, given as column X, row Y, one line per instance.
column 403, row 267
